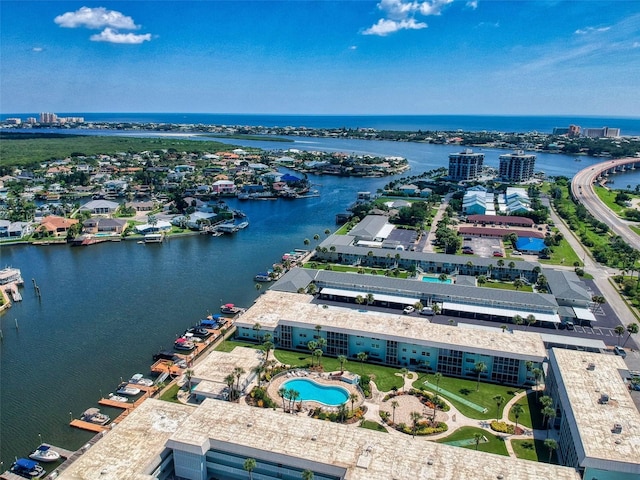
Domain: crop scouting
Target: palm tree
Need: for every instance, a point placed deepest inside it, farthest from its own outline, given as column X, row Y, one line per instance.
column 477, row 437
column 282, row 392
column 503, row 327
column 318, row 354
column 293, row 396
column 547, row 412
column 230, row 380
column 307, row 475
column 518, row 284
column 359, row 299
column 633, row 329
column 238, row 372
column 258, row 287
column 327, row 232
column 306, row 241
column 257, row 327
column 437, row 376
column 353, row 397
column 537, row 375
column 342, row 359
column 317, row 329
column 551, row 444
column 499, row 399
column 403, row 372
column 619, row 330
column 517, row 410
column 415, row 418
column 370, row 298
column 479, row 368
column 362, row 356
column 267, row 347
column 481, row 280
column 511, row 265
column 443, row 277
column 188, row 373
column 517, row 320
column 531, row 319
column 249, row 465
column 316, row 237
column 394, row 405
column 312, row 346
column 259, row 370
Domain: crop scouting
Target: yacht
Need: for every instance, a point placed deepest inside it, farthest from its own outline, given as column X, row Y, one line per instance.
column 118, row 398
column 183, row 343
column 139, row 379
column 125, row 389
column 44, row 453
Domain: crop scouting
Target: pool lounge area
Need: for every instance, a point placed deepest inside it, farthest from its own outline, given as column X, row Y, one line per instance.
column 429, row 279
column 310, row 390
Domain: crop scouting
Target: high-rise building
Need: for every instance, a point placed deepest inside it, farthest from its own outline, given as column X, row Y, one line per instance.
column 46, row 117
column 604, row 132
column 517, row 166
column 465, row 165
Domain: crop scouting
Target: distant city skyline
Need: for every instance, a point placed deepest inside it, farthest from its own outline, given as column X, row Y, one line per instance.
column 391, row 57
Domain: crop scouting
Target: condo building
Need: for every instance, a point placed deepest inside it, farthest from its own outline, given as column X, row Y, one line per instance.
column 465, row 165
column 517, row 166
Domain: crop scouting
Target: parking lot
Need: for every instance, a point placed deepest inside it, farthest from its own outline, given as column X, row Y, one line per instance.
column 482, row 246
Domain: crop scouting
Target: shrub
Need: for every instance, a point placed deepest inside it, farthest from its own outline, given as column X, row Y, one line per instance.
column 503, row 427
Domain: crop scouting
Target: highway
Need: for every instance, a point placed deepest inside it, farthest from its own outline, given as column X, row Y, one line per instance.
column 583, row 191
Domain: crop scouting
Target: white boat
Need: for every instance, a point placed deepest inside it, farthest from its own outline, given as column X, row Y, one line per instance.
column 263, row 277
column 183, row 343
column 230, row 308
column 118, row 398
column 242, row 225
column 125, row 389
column 44, row 453
column 93, row 415
column 139, row 379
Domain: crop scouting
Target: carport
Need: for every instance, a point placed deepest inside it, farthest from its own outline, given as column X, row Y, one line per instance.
column 338, row 294
column 584, row 314
column 503, row 313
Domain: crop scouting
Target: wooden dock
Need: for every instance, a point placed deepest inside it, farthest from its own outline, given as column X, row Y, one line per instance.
column 92, row 427
column 107, row 402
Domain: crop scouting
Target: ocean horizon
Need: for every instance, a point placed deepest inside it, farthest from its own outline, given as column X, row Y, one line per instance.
column 629, row 126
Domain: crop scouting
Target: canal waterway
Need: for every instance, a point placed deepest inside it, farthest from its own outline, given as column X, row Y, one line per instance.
column 105, row 309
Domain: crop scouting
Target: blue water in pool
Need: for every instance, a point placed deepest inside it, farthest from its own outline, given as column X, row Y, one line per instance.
column 435, row 280
column 310, row 390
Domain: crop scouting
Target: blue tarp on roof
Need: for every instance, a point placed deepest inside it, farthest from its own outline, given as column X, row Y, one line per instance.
column 530, row 244
column 289, row 178
column 208, row 323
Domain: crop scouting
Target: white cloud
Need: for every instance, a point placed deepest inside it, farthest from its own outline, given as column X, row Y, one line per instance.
column 400, row 15
column 37, row 49
column 112, row 36
column 473, row 4
column 588, row 30
column 385, row 26
column 353, row 47
column 95, row 18
column 635, row 45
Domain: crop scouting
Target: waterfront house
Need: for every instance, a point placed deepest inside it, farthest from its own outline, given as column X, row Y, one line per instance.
column 56, row 226
column 223, row 187
column 14, row 229
column 104, row 225
column 100, row 207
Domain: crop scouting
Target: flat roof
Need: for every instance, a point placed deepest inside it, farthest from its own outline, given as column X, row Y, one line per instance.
column 130, row 449
column 378, row 296
column 584, row 314
column 592, row 421
column 273, row 308
column 363, row 454
column 216, row 365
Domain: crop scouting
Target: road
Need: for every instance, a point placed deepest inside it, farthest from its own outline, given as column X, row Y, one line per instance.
column 582, row 189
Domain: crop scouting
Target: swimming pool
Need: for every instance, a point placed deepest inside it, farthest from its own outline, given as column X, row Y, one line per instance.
column 436, row 280
column 310, row 390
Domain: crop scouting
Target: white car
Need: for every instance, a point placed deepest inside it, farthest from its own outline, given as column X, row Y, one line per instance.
column 408, row 309
column 516, row 253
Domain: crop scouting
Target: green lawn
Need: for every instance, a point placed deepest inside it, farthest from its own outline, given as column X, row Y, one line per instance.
column 507, row 286
column 533, row 450
column 171, row 394
column 561, row 252
column 532, row 415
column 467, row 389
column 368, row 424
column 494, row 445
column 608, row 197
column 350, row 269
column 385, row 378
column 635, row 229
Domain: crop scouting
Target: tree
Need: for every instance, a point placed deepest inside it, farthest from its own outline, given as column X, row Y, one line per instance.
column 394, row 405
column 353, row 397
column 415, row 419
column 633, row 329
column 437, row 376
column 327, row 232
column 258, row 287
column 238, row 372
column 249, row 465
column 517, row 320
column 257, row 327
column 318, row 354
column 359, row 299
column 370, row 298
column 317, row 329
column 362, row 356
column 551, row 444
column 312, row 346
column 259, row 370
column 479, row 368
column 230, row 380
column 499, row 399
column 443, row 277
column 619, row 330
column 282, row 392
column 267, row 346
column 342, row 359
column 403, row 372
column 550, row 413
column 517, row 410
column 531, row 319
column 306, row 241
column 511, row 265
column 481, row 280
column 188, row 373
column 518, row 284
column 307, row 475
column 477, row 437
column 537, row 375
column 316, row 237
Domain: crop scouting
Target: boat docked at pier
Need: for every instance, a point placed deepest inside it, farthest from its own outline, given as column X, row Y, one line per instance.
column 230, row 308
column 44, row 453
column 118, row 398
column 27, row 468
column 184, row 343
column 93, row 415
column 11, row 275
column 139, row 379
column 125, row 389
column 263, row 277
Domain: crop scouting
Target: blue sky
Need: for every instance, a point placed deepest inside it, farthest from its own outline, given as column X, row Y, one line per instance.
column 322, row 57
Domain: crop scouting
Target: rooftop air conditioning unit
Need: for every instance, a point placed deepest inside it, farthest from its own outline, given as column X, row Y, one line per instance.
column 617, row 428
column 604, row 398
column 591, row 366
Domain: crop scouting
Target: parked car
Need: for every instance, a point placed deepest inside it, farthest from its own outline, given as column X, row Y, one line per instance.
column 467, row 251
column 498, row 254
column 516, row 253
column 408, row 309
column 427, row 311
column 567, row 324
column 619, row 351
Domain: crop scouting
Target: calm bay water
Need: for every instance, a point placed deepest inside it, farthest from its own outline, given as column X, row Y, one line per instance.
column 107, row 308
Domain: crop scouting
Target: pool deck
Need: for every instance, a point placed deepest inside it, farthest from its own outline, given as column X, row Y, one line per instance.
column 324, row 378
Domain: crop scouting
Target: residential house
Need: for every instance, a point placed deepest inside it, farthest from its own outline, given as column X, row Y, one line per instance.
column 56, row 226
column 100, row 207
